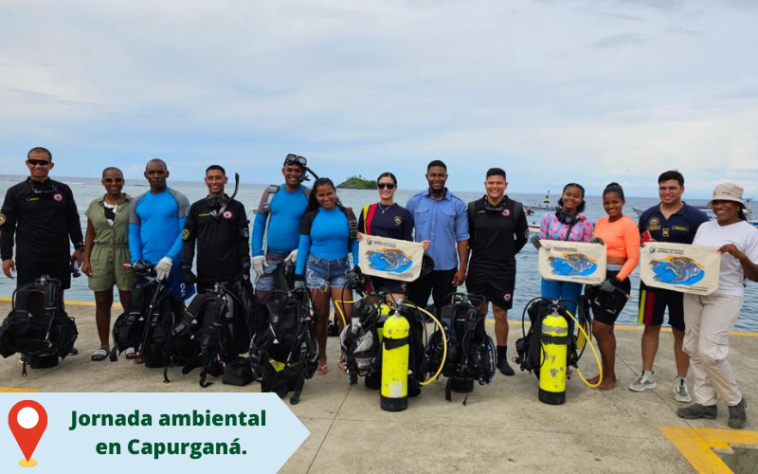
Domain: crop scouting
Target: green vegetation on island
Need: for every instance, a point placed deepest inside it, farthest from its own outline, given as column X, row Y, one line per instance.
column 357, row 182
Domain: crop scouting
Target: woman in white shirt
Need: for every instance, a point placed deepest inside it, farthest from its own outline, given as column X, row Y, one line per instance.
column 710, row 319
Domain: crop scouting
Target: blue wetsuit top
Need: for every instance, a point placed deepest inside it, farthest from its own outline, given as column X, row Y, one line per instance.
column 155, row 226
column 324, row 233
column 287, row 209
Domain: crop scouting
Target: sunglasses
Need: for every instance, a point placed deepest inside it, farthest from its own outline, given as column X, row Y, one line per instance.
column 110, row 180
column 386, row 185
column 38, row 162
column 293, row 159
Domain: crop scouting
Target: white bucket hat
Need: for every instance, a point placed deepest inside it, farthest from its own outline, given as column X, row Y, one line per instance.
column 728, row 192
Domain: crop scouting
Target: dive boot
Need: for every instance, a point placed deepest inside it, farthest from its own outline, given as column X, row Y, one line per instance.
column 502, row 361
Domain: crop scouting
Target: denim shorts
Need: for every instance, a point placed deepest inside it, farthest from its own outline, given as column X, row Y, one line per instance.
column 266, row 281
column 320, row 273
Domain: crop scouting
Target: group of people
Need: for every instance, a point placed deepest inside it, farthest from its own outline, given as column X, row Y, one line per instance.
column 472, row 243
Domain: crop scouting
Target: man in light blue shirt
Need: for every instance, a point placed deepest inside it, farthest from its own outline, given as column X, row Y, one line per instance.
column 441, row 218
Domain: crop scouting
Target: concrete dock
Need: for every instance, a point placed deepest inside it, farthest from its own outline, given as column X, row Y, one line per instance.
column 503, row 427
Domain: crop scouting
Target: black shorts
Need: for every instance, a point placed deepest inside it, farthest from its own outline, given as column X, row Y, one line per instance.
column 496, row 287
column 26, row 272
column 393, row 286
column 606, row 307
column 653, row 303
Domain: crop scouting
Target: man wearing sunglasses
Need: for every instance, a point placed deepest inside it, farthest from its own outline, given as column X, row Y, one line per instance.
column 41, row 215
column 439, row 217
column 277, row 222
column 498, row 231
column 156, row 221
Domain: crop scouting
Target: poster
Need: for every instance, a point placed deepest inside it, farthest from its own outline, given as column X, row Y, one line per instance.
column 577, row 262
column 390, row 258
column 684, row 268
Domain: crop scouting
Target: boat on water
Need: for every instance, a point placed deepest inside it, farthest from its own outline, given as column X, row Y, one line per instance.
column 540, row 206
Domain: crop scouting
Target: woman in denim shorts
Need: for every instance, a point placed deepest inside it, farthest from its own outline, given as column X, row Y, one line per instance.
column 326, row 237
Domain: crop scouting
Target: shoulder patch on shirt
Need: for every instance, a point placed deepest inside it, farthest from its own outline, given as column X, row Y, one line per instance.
column 245, row 233
column 2, row 219
column 185, row 234
column 653, row 221
column 58, row 197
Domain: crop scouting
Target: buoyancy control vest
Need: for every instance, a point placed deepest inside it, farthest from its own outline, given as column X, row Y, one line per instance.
column 37, row 325
column 470, row 351
column 288, row 341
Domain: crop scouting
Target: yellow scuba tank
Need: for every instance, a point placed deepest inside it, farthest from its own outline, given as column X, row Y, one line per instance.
column 553, row 359
column 395, row 355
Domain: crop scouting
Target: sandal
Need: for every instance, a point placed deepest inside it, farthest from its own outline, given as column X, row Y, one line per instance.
column 130, row 353
column 100, row 354
column 321, row 370
column 342, row 365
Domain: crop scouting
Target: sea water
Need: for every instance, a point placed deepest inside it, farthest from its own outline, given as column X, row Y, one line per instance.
column 527, row 279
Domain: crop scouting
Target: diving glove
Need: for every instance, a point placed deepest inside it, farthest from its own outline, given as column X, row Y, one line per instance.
column 163, row 268
column 141, row 266
column 608, row 286
column 292, row 257
column 597, row 240
column 259, row 265
column 537, row 242
column 189, row 277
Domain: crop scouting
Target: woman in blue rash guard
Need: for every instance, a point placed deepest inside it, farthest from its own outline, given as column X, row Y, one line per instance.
column 322, row 259
column 388, row 219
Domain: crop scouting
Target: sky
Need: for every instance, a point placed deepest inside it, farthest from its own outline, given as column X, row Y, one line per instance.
column 553, row 91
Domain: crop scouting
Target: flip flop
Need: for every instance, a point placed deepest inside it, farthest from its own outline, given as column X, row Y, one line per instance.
column 100, row 354
column 130, row 353
column 321, row 370
column 342, row 365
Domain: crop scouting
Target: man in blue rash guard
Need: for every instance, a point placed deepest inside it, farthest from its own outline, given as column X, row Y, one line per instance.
column 156, row 220
column 287, row 208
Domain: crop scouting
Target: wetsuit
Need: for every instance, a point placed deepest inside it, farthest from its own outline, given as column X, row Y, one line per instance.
column 156, row 222
column 42, row 217
column 394, row 222
column 680, row 227
column 495, row 239
column 283, row 233
column 322, row 255
column 223, row 248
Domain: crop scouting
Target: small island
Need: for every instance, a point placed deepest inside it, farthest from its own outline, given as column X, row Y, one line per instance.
column 357, row 182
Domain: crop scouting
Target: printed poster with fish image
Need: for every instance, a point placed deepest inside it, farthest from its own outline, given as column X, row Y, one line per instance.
column 577, row 262
column 390, row 258
column 684, row 268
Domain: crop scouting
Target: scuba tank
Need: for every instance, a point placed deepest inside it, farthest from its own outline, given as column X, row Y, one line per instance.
column 395, row 356
column 554, row 360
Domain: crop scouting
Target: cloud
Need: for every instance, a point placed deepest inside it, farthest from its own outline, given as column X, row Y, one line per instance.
column 622, row 39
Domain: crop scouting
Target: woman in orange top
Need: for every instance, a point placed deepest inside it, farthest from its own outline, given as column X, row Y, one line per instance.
column 621, row 237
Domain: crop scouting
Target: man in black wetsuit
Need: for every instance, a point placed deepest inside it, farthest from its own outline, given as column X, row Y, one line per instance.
column 41, row 214
column 498, row 230
column 220, row 227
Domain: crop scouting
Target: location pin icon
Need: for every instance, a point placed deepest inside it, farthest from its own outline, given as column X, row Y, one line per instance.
column 27, row 420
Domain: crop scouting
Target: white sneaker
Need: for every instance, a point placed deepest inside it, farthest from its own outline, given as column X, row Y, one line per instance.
column 681, row 393
column 643, row 383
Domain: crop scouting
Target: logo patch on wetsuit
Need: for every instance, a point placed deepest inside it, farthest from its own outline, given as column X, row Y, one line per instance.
column 58, row 197
column 398, row 220
column 245, row 233
column 2, row 219
column 506, row 212
column 185, row 234
column 227, row 214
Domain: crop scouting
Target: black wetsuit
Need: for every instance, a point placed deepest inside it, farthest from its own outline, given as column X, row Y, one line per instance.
column 394, row 222
column 496, row 236
column 42, row 217
column 223, row 242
